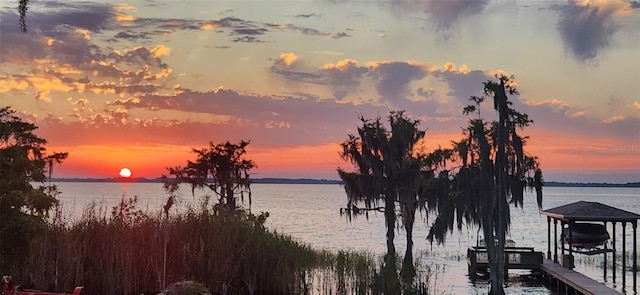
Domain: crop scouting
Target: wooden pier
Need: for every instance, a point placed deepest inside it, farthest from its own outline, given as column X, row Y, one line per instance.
column 556, row 277
column 567, row 281
column 515, row 258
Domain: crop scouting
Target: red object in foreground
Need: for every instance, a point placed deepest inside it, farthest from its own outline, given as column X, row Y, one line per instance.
column 14, row 290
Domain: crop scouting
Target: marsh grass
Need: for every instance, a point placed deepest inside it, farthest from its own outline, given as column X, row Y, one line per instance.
column 597, row 261
column 119, row 250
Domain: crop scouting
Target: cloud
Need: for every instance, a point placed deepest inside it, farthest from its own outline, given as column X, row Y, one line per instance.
column 260, row 118
column 340, row 35
column 556, row 115
column 392, row 78
column 288, row 58
column 160, row 50
column 209, row 26
column 307, row 31
column 587, row 27
column 63, row 57
column 446, row 14
column 343, row 72
column 122, row 14
column 308, row 15
column 463, row 83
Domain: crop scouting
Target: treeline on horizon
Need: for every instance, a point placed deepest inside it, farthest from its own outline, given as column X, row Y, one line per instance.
column 330, row 181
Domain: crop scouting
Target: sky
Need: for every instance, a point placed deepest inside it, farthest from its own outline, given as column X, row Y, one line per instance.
column 138, row 84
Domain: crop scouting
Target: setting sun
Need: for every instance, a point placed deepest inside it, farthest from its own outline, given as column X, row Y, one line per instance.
column 125, row 172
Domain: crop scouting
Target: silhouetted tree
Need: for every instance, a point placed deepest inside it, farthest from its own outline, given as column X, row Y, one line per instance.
column 222, row 169
column 495, row 171
column 388, row 171
column 23, row 207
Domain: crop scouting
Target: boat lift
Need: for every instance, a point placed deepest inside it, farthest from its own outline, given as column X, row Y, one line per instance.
column 586, row 220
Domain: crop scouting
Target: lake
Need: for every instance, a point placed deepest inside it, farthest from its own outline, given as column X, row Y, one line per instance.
column 311, row 214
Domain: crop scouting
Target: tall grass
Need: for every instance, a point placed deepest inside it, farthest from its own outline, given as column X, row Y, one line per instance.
column 120, row 251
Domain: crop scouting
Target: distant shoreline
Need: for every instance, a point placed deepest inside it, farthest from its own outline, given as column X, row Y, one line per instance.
column 159, row 180
column 326, row 181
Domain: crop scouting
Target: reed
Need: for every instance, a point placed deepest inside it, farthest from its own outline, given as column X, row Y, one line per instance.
column 119, row 250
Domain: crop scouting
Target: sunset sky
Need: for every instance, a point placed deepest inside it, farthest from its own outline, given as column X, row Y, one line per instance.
column 137, row 84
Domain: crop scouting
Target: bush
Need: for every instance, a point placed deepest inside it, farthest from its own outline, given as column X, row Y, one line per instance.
column 186, row 288
column 120, row 251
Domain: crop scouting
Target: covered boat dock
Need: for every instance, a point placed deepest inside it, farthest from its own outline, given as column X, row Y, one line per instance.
column 592, row 212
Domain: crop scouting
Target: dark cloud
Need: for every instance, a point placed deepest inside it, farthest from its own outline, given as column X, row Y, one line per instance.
column 340, row 35
column 132, row 36
column 308, row 120
column 308, row 15
column 17, row 47
column 84, row 15
column 60, row 22
column 340, row 94
column 250, row 31
column 392, row 78
column 347, row 73
column 298, row 76
column 167, row 25
column 586, row 29
column 463, row 85
column 23, row 48
column 232, row 22
column 247, row 39
column 306, row 31
column 445, row 14
column 72, row 56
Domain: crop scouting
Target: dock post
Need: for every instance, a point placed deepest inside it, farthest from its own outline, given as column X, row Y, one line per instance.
column 613, row 261
column 604, row 268
column 635, row 256
column 624, row 254
column 562, row 242
column 548, row 237
column 555, row 240
column 473, row 271
column 571, row 225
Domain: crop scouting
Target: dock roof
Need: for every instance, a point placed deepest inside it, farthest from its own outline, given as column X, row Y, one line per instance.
column 590, row 211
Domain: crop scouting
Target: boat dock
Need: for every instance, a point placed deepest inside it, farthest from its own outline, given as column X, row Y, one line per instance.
column 567, row 281
column 515, row 258
column 556, row 277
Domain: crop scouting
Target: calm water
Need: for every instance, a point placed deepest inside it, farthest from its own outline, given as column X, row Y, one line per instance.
column 310, row 213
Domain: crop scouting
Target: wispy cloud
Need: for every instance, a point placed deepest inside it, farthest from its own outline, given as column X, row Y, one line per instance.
column 446, row 14
column 587, row 27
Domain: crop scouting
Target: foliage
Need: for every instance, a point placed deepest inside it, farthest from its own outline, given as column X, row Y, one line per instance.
column 494, row 172
column 185, row 288
column 227, row 253
column 222, row 169
column 23, row 162
column 388, row 171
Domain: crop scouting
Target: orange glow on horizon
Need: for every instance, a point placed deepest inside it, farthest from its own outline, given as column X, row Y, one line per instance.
column 555, row 151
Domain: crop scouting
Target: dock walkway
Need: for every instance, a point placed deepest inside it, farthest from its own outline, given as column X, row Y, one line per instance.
column 577, row 281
